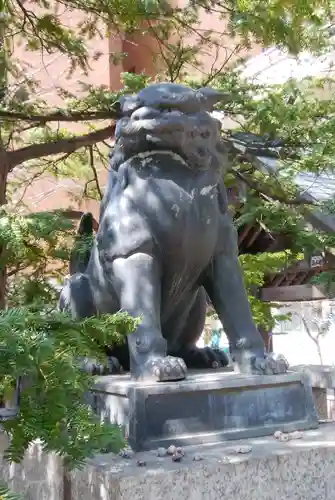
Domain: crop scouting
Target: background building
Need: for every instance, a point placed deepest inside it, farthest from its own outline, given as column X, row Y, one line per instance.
column 140, row 56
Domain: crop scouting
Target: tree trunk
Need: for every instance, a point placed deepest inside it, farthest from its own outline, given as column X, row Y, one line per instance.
column 318, row 347
column 3, row 187
column 316, row 339
column 4, row 164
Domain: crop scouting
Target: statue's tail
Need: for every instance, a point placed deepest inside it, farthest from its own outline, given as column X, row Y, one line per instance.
column 81, row 252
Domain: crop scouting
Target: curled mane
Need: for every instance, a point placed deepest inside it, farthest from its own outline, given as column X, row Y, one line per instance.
column 169, row 116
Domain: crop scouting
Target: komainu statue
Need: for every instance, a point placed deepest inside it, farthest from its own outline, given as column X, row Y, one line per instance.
column 165, row 239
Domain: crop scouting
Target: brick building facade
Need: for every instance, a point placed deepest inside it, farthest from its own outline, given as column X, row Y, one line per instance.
column 51, row 71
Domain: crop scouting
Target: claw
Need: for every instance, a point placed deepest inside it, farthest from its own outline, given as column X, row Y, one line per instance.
column 183, row 365
column 261, row 365
column 167, row 368
column 269, row 369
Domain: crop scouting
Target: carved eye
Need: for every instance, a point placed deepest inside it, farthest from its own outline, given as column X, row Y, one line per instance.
column 205, row 134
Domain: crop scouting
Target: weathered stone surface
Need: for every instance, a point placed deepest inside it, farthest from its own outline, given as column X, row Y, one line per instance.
column 321, row 404
column 300, row 469
column 321, row 376
column 207, row 407
column 322, row 379
column 38, row 477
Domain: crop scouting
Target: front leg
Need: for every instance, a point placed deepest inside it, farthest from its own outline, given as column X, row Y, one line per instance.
column 138, row 285
column 225, row 287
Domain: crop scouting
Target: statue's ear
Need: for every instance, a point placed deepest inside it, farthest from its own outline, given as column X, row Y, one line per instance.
column 212, row 97
column 81, row 251
column 127, row 104
column 85, row 224
column 117, row 108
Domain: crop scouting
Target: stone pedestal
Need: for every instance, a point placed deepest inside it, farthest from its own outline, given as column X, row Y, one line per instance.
column 322, row 380
column 208, row 407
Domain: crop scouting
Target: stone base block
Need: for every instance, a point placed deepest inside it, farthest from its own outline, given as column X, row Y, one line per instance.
column 322, row 379
column 208, row 407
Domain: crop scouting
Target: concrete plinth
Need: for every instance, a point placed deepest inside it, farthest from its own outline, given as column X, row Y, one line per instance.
column 322, row 379
column 299, row 469
column 208, row 407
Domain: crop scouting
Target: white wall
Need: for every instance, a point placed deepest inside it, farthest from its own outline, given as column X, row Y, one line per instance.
column 290, row 338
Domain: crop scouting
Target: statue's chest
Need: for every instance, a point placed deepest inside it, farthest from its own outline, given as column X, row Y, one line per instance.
column 196, row 210
column 172, row 206
column 183, row 217
column 179, row 192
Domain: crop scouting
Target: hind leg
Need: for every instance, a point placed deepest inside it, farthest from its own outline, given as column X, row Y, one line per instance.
column 197, row 357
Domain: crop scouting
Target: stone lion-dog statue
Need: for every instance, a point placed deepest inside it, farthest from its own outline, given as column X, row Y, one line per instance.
column 165, row 240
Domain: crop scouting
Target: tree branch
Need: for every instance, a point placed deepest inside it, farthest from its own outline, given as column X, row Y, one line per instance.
column 270, row 196
column 95, row 173
column 36, row 151
column 316, row 339
column 61, row 116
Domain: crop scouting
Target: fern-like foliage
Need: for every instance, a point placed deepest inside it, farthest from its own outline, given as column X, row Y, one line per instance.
column 33, row 242
column 42, row 348
column 7, row 494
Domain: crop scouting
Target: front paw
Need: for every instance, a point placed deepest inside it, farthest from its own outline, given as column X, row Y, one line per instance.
column 94, row 367
column 205, row 358
column 166, row 369
column 259, row 363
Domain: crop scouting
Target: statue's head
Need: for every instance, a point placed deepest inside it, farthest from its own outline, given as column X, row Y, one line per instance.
column 173, row 117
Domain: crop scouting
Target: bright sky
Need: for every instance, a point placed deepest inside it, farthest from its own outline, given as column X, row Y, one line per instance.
column 274, row 66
